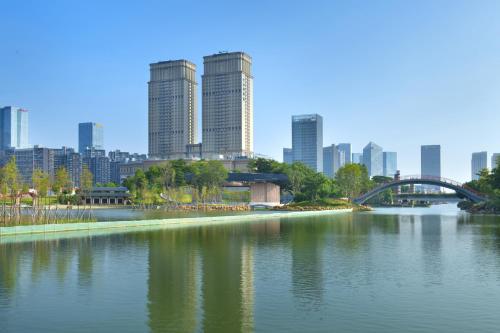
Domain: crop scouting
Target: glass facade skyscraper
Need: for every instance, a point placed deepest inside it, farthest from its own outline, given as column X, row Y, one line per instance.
column 90, row 136
column 479, row 161
column 331, row 160
column 430, row 164
column 287, row 155
column 357, row 158
column 373, row 159
column 344, row 150
column 307, row 140
column 13, row 128
column 390, row 163
column 495, row 162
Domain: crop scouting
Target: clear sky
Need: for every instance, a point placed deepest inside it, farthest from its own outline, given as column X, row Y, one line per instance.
column 399, row 73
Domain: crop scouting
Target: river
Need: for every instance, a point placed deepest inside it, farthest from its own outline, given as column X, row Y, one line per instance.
column 392, row 270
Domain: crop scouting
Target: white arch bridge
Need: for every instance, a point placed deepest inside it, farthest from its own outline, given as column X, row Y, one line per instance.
column 460, row 189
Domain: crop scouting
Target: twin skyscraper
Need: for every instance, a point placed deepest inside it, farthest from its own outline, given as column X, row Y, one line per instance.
column 227, row 105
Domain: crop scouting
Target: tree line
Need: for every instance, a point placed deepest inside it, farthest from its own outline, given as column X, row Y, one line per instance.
column 305, row 184
column 175, row 180
column 13, row 188
column 489, row 185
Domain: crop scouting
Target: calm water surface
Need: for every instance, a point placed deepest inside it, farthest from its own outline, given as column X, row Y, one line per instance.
column 392, row 270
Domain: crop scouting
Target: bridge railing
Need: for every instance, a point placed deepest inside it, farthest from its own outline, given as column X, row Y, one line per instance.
column 444, row 181
column 434, row 178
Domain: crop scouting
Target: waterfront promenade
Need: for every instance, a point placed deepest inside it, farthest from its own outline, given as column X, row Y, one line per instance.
column 120, row 226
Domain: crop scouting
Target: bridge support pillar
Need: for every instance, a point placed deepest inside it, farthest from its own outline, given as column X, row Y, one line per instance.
column 265, row 193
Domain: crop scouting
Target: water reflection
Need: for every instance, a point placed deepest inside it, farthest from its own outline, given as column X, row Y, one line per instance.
column 307, row 265
column 205, row 278
column 226, row 285
column 172, row 283
column 431, row 248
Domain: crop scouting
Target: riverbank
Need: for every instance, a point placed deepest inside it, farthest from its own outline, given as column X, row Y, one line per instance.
column 486, row 207
column 159, row 223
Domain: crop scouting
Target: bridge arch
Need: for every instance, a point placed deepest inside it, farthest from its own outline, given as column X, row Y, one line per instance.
column 459, row 188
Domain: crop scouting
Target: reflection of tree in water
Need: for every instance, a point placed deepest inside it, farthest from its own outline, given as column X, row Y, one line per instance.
column 306, row 239
column 9, row 261
column 40, row 258
column 486, row 241
column 172, row 281
column 85, row 261
column 63, row 258
column 40, row 254
column 227, row 279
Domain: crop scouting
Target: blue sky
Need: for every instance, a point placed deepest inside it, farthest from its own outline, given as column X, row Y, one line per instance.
column 399, row 73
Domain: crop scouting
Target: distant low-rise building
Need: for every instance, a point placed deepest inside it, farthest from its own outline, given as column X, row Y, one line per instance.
column 106, row 196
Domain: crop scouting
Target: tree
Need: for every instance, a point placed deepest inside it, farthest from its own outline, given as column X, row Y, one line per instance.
column 297, row 174
column 86, row 180
column 352, row 179
column 41, row 183
column 62, row 181
column 208, row 177
column 11, row 178
column 316, row 186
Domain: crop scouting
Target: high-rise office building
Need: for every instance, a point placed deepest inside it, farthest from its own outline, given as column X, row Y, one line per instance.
column 430, row 160
column 430, row 164
column 479, row 161
column 344, row 150
column 30, row 159
column 99, row 166
column 287, row 155
column 227, row 94
column 307, row 140
column 390, row 163
column 331, row 160
column 90, row 136
column 495, row 160
column 172, row 108
column 13, row 128
column 357, row 158
column 70, row 160
column 373, row 159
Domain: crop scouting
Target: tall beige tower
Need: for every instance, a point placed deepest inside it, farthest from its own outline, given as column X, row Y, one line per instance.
column 227, row 93
column 172, row 110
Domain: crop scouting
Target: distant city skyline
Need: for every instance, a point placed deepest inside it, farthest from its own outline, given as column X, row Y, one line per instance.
column 360, row 81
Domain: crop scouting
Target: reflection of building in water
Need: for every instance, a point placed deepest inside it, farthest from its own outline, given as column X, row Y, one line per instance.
column 227, row 283
column 85, row 261
column 307, row 268
column 268, row 228
column 247, row 288
column 172, row 282
column 431, row 246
